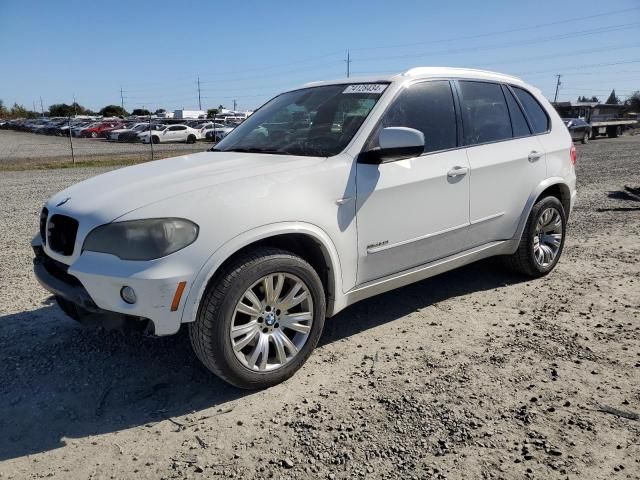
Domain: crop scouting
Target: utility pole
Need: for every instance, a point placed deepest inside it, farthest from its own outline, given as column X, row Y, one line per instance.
column 199, row 100
column 234, row 105
column 41, row 107
column 34, row 106
column 348, row 62
column 558, row 83
column 121, row 99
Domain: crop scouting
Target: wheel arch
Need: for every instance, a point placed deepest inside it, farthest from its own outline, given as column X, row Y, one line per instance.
column 555, row 187
column 306, row 240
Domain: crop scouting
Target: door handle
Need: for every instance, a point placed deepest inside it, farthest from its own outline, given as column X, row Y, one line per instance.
column 457, row 172
column 534, row 156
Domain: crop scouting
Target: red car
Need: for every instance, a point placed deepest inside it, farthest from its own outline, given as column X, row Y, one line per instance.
column 96, row 130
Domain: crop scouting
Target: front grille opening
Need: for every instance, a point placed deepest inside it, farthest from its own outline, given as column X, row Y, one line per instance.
column 43, row 224
column 61, row 234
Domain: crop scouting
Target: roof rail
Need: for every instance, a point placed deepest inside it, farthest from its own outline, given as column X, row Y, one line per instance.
column 462, row 71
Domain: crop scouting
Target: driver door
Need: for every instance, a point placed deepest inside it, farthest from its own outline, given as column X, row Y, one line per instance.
column 414, row 211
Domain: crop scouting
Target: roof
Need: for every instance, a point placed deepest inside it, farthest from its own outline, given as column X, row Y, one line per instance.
column 425, row 72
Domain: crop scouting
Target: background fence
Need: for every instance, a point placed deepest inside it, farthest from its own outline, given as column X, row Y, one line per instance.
column 25, row 148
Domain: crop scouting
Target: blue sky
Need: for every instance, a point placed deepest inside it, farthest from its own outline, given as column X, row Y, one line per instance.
column 251, row 50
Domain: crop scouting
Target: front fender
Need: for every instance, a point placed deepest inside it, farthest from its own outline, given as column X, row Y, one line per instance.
column 232, row 246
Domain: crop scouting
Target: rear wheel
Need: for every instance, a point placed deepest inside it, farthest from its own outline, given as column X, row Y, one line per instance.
column 614, row 132
column 260, row 319
column 155, row 139
column 542, row 240
column 585, row 138
column 191, row 139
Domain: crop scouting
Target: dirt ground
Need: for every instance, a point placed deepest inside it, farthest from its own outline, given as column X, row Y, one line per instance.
column 476, row 373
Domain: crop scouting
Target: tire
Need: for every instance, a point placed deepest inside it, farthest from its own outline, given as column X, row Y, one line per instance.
column 524, row 260
column 210, row 334
column 155, row 139
column 585, row 138
column 94, row 135
column 614, row 132
column 191, row 139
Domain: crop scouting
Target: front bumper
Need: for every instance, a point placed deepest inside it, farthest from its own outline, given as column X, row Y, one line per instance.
column 93, row 283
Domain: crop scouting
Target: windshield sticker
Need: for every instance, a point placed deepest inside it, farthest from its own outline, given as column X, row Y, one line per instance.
column 375, row 88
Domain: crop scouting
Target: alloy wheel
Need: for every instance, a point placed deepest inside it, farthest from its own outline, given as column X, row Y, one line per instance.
column 548, row 237
column 271, row 322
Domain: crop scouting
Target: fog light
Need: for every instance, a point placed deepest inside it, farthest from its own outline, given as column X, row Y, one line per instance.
column 128, row 295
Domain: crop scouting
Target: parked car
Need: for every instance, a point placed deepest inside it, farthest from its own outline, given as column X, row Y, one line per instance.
column 77, row 131
column 136, row 128
column 390, row 181
column 214, row 131
column 171, row 133
column 578, row 129
column 134, row 135
column 94, row 131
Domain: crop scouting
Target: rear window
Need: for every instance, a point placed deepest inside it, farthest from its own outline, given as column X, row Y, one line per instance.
column 537, row 116
column 518, row 121
column 485, row 117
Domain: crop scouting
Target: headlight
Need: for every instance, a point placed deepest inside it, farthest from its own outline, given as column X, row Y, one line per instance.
column 142, row 239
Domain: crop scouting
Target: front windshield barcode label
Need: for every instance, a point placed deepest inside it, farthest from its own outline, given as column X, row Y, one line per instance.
column 377, row 88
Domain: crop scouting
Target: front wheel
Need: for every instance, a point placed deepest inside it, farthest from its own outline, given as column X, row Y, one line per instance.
column 191, row 139
column 260, row 319
column 542, row 240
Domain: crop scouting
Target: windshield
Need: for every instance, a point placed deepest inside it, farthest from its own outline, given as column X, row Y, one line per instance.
column 317, row 121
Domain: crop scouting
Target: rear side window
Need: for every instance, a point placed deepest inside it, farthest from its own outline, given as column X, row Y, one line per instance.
column 485, row 117
column 518, row 122
column 535, row 112
column 427, row 107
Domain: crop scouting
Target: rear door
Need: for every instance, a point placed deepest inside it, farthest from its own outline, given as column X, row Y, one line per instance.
column 507, row 162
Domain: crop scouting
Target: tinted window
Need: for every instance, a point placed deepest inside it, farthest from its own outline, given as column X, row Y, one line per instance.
column 427, row 107
column 485, row 117
column 518, row 122
column 537, row 116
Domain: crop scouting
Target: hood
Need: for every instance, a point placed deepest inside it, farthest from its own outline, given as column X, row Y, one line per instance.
column 106, row 197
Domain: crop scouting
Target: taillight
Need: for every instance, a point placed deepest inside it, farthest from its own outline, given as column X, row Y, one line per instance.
column 573, row 154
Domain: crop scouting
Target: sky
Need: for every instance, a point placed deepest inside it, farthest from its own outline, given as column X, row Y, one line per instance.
column 249, row 51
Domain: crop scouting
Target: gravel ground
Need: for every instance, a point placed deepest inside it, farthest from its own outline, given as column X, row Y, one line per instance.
column 476, row 373
column 20, row 147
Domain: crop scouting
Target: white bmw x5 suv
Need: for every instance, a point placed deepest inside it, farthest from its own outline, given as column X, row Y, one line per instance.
column 326, row 195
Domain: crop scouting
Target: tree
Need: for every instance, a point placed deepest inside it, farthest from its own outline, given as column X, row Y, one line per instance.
column 141, row 112
column 113, row 111
column 613, row 99
column 633, row 102
column 3, row 111
column 159, row 111
column 212, row 112
column 60, row 110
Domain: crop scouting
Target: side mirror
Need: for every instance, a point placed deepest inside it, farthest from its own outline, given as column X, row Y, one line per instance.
column 396, row 143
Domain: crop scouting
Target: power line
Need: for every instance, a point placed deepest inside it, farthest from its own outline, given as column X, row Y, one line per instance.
column 500, row 32
column 545, row 39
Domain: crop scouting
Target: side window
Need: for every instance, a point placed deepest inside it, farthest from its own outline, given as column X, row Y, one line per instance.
column 485, row 117
column 537, row 116
column 518, row 122
column 428, row 107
